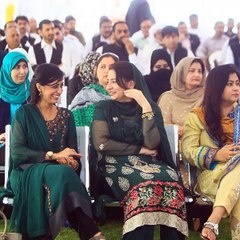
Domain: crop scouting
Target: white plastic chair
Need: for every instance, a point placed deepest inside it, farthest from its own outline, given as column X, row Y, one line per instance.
column 214, row 59
column 7, row 200
column 83, row 148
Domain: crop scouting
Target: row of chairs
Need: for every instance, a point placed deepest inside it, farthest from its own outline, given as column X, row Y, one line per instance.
column 83, row 136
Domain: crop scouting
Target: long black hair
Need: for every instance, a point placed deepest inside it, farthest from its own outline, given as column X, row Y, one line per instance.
column 215, row 85
column 44, row 74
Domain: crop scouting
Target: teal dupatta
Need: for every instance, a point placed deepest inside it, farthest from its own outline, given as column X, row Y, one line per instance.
column 30, row 142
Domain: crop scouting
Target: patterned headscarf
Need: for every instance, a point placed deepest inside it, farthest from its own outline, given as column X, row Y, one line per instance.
column 86, row 68
column 11, row 92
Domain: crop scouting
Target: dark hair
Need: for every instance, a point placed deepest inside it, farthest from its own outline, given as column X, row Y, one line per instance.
column 193, row 16
column 198, row 60
column 181, row 23
column 45, row 21
column 21, row 17
column 69, row 18
column 169, row 30
column 107, row 54
column 57, row 24
column 124, row 73
column 116, row 23
column 215, row 84
column 5, row 25
column 44, row 74
column 103, row 19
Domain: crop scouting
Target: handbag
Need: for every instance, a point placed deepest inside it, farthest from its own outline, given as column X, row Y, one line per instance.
column 7, row 235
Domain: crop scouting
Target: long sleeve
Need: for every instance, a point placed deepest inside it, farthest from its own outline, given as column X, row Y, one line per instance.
column 197, row 147
column 104, row 144
column 151, row 135
column 20, row 152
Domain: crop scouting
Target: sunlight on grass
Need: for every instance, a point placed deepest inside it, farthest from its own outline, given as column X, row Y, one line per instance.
column 113, row 231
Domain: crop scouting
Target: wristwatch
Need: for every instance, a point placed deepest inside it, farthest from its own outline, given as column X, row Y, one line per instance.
column 50, row 154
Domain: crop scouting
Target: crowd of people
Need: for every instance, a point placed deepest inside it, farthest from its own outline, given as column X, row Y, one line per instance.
column 125, row 83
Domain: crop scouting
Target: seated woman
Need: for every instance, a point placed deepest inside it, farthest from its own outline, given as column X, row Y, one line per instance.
column 210, row 142
column 14, row 89
column 187, row 82
column 136, row 158
column 43, row 159
column 83, row 104
column 158, row 80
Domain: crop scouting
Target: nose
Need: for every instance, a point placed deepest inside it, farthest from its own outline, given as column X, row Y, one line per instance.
column 109, row 86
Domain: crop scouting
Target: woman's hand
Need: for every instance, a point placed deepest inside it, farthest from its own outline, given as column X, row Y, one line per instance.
column 70, row 161
column 226, row 153
column 67, row 152
column 146, row 151
column 138, row 96
column 2, row 138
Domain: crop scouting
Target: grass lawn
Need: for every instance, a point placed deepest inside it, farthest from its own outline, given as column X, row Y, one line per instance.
column 113, row 229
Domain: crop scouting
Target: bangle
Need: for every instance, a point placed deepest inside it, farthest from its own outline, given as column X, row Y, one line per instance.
column 148, row 115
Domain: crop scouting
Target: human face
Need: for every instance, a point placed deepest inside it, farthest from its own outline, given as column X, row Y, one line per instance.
column 71, row 25
column 51, row 92
column 160, row 64
column 115, row 91
column 171, row 41
column 58, row 35
column 219, row 29
column 194, row 77
column 19, row 72
column 102, row 70
column 13, row 38
column 23, row 27
column 121, row 31
column 47, row 32
column 106, row 29
column 231, row 90
column 145, row 26
column 158, row 36
column 33, row 25
column 182, row 29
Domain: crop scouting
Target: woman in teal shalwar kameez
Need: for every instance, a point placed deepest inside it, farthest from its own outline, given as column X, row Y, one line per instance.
column 43, row 159
column 136, row 159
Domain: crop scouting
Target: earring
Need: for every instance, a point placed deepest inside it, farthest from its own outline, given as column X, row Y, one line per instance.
column 40, row 93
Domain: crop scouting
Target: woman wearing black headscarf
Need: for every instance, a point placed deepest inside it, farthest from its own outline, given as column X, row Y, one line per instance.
column 158, row 80
column 136, row 159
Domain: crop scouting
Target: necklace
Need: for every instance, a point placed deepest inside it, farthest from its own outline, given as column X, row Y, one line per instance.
column 51, row 114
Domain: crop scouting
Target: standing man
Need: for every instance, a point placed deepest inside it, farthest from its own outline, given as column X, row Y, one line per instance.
column 23, row 27
column 101, row 39
column 70, row 23
column 76, row 49
column 212, row 44
column 188, row 40
column 49, row 50
column 123, row 46
column 173, row 48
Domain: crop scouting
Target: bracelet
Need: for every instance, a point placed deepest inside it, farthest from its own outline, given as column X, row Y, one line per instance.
column 148, row 115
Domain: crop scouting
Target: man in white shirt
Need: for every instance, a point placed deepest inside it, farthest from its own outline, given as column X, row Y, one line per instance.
column 76, row 49
column 101, row 39
column 23, row 27
column 48, row 50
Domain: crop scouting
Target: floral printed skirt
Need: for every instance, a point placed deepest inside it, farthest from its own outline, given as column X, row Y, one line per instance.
column 148, row 190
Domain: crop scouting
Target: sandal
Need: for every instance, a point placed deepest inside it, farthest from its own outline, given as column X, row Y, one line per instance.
column 213, row 227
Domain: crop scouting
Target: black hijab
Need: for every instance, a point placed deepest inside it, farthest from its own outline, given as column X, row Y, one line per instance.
column 159, row 82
